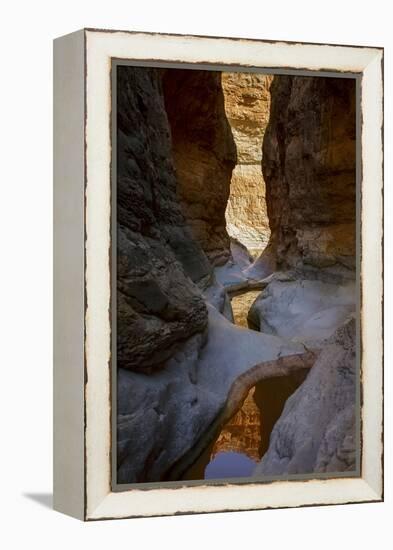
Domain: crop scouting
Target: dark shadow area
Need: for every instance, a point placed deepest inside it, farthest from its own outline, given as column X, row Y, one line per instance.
column 270, row 397
column 45, row 499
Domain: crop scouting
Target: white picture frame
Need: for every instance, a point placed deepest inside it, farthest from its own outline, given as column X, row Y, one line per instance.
column 82, row 258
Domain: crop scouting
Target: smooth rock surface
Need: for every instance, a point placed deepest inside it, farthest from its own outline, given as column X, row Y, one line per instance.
column 301, row 310
column 309, row 166
column 162, row 415
column 316, row 431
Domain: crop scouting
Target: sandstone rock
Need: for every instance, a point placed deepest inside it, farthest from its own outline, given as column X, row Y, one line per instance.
column 316, row 431
column 159, row 264
column 310, row 171
column 247, row 105
column 204, row 154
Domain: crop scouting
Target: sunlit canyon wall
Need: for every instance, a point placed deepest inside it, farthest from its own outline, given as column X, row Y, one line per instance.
column 247, row 106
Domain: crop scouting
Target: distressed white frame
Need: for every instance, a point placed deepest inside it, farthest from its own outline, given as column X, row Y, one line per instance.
column 98, row 500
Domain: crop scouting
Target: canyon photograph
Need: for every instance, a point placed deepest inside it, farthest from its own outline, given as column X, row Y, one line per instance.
column 237, row 305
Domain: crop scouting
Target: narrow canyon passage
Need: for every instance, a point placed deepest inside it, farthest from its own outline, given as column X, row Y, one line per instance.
column 195, row 207
column 243, row 440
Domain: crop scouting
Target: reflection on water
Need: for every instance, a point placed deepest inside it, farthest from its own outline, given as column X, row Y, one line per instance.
column 243, row 432
column 245, row 438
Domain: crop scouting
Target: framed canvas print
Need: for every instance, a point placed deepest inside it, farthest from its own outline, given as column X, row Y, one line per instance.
column 218, row 274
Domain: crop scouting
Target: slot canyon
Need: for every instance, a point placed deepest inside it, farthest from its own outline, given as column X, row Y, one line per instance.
column 236, row 275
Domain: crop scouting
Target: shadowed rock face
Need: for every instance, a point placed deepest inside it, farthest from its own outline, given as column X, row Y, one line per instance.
column 309, row 169
column 204, row 154
column 159, row 264
column 309, row 166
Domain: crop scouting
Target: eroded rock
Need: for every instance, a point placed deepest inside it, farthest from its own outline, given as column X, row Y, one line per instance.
column 309, row 167
column 159, row 265
column 171, row 410
column 302, row 310
column 316, row 431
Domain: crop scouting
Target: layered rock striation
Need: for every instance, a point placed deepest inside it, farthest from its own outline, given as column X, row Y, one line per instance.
column 247, row 105
column 204, row 155
column 309, row 166
column 159, row 265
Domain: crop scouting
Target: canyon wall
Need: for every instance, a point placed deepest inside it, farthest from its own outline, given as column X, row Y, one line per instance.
column 204, row 155
column 308, row 160
column 317, row 429
column 309, row 166
column 159, row 265
column 247, row 105
column 178, row 357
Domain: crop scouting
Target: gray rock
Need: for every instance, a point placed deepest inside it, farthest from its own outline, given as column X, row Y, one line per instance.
column 307, row 311
column 316, row 431
column 162, row 415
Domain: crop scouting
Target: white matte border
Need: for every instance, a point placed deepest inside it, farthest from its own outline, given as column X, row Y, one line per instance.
column 101, row 47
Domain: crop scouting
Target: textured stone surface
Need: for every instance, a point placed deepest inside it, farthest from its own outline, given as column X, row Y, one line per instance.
column 247, row 105
column 309, row 169
column 162, row 415
column 158, row 261
column 204, row 154
column 301, row 310
column 316, row 431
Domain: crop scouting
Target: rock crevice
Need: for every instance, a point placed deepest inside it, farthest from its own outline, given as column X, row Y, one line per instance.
column 204, row 154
